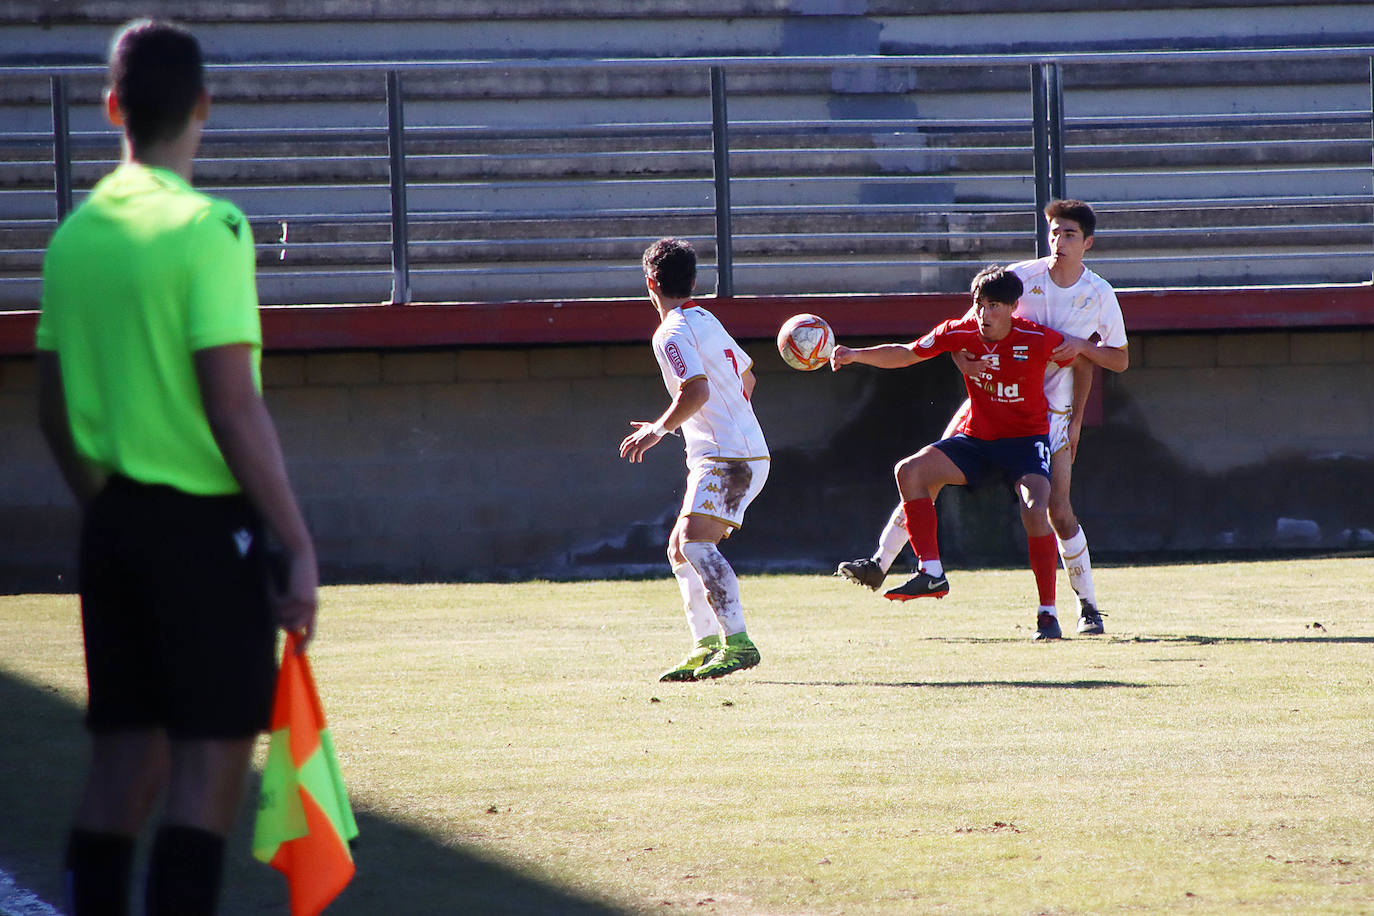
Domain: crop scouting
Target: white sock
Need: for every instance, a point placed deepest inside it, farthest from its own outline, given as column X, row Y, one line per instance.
column 892, row 540
column 1048, row 609
column 1077, row 563
column 933, row 567
column 701, row 620
column 718, row 578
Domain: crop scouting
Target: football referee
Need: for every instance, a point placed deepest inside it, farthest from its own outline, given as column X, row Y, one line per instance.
column 149, row 346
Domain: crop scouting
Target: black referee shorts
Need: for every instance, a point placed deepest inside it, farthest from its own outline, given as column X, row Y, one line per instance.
column 176, row 613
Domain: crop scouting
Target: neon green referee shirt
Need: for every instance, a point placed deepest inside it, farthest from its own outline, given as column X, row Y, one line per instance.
column 141, row 275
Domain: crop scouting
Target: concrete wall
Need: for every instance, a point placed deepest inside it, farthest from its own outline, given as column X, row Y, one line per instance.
column 501, row 462
column 1248, row 440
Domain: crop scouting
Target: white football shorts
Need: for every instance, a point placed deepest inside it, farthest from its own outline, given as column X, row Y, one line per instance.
column 723, row 488
column 1059, row 430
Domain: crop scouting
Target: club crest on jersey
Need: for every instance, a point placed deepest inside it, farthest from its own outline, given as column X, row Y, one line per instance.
column 1020, row 352
column 675, row 357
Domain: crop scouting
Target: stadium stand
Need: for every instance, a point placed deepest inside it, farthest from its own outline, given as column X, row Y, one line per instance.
column 541, row 178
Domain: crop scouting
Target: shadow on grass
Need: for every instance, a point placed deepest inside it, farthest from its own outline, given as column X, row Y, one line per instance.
column 1187, row 640
column 1046, row 685
column 1179, row 639
column 404, row 871
column 401, row 870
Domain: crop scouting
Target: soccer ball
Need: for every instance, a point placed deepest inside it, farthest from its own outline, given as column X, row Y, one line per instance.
column 805, row 342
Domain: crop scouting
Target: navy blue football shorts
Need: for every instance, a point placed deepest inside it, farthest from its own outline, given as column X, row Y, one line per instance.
column 1003, row 460
column 176, row 613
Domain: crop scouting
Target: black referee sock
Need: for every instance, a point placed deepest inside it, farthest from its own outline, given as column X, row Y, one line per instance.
column 97, row 873
column 184, row 871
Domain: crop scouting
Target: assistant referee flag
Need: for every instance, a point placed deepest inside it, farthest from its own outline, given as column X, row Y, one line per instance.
column 304, row 821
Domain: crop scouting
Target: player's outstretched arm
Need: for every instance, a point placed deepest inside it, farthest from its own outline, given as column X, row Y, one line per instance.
column 691, row 396
column 882, row 356
column 246, row 437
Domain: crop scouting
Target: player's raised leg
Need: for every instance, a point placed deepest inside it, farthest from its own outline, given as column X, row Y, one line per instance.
column 871, row 571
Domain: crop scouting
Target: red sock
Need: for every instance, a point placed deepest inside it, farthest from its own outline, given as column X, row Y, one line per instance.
column 1044, row 562
column 921, row 528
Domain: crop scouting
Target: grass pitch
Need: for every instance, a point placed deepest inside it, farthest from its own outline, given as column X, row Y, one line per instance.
column 509, row 750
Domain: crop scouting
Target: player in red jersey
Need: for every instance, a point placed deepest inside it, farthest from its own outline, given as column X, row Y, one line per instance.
column 1004, row 436
column 1063, row 293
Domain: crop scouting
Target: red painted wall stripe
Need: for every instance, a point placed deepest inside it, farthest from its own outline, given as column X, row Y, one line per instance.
column 334, row 327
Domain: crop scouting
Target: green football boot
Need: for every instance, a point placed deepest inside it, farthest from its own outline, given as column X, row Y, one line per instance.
column 686, row 669
column 737, row 654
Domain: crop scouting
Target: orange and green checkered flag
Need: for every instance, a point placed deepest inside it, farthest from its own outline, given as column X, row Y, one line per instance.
column 304, row 822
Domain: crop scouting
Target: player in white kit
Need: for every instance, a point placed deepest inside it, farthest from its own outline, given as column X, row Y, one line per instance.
column 1063, row 294
column 710, row 379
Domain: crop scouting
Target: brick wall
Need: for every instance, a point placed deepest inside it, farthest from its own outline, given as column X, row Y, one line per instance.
column 494, row 462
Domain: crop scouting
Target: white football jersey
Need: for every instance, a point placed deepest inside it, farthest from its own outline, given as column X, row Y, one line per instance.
column 1088, row 307
column 692, row 343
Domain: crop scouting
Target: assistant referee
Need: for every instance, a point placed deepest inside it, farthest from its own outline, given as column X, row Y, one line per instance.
column 149, row 348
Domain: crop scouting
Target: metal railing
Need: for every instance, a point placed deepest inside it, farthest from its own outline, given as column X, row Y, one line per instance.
column 743, row 190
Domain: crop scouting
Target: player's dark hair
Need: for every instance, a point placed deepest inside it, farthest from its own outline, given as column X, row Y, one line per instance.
column 672, row 263
column 157, row 77
column 1076, row 210
column 997, row 284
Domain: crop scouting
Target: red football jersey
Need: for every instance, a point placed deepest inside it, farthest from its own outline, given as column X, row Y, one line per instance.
column 1008, row 399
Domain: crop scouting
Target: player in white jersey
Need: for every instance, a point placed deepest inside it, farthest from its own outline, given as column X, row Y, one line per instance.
column 1063, row 294
column 710, row 379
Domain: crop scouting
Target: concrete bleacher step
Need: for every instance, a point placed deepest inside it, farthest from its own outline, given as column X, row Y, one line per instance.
column 574, row 97
column 847, row 231
column 752, row 151
column 1133, row 163
column 514, row 204
column 286, row 29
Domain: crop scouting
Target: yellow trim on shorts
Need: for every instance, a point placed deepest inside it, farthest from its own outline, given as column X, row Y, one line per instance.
column 731, row 526
column 1061, row 413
